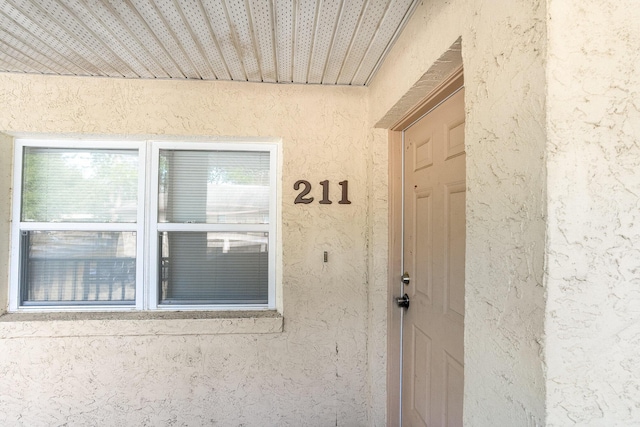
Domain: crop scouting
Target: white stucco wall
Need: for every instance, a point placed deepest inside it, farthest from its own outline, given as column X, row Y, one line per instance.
column 503, row 51
column 316, row 372
column 593, row 308
column 6, row 170
column 378, row 298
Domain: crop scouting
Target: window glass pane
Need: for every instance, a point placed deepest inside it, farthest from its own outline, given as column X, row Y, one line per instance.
column 79, row 185
column 209, row 268
column 78, row 267
column 220, row 187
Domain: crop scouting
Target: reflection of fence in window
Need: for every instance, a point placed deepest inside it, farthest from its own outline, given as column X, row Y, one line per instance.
column 78, row 280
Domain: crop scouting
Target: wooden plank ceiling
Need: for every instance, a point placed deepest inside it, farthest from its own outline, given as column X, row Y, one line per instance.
column 275, row 41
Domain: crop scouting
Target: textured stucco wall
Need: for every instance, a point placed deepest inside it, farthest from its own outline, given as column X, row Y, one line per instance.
column 593, row 309
column 503, row 51
column 378, row 298
column 6, row 170
column 315, row 372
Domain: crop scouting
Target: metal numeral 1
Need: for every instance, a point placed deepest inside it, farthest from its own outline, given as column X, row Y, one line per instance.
column 345, row 193
column 325, row 193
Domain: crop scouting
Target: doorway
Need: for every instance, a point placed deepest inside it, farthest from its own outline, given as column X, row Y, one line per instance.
column 428, row 240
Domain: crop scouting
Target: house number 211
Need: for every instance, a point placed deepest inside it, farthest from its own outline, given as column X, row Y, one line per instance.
column 305, row 188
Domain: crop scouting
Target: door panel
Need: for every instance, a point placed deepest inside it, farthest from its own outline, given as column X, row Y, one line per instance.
column 434, row 257
column 424, row 154
column 454, row 250
column 454, row 382
column 423, row 244
column 454, row 134
column 420, row 389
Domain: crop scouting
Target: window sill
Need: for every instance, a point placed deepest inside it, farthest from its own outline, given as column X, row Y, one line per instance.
column 52, row 325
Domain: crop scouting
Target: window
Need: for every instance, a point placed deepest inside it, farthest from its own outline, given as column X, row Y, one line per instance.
column 154, row 225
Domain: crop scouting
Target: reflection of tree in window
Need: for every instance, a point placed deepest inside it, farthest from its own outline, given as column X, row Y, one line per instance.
column 67, row 185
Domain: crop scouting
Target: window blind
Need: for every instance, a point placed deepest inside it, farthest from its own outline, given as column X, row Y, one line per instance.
column 79, row 185
column 221, row 187
column 214, row 268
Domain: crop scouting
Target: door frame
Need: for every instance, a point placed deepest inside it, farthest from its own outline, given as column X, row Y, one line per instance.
column 447, row 87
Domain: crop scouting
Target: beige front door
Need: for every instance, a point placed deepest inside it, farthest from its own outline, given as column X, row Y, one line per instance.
column 434, row 258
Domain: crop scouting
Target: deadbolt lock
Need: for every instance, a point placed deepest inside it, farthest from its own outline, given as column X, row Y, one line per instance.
column 406, row 279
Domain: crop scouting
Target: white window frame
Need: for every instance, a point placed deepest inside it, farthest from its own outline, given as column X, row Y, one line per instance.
column 147, row 226
column 155, row 227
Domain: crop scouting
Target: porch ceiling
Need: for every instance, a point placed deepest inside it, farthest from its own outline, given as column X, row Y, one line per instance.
column 275, row 41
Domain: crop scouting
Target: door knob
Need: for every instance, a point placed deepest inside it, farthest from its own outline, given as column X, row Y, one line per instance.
column 403, row 301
